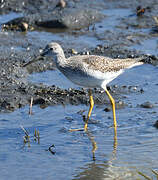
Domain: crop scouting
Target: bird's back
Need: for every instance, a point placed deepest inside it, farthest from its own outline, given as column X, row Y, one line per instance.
column 102, row 64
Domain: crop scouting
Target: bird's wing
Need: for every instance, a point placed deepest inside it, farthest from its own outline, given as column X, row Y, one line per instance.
column 106, row 64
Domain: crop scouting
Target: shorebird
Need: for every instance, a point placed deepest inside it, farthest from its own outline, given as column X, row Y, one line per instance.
column 89, row 71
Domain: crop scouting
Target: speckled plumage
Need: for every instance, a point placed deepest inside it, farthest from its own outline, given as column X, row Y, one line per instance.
column 103, row 64
column 89, row 70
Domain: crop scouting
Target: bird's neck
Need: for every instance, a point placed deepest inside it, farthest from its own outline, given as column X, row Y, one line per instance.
column 60, row 59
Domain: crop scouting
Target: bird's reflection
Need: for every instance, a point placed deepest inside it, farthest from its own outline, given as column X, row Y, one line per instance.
column 95, row 147
column 94, row 143
column 115, row 144
column 95, row 170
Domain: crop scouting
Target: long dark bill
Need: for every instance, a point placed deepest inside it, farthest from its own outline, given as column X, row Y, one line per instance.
column 38, row 58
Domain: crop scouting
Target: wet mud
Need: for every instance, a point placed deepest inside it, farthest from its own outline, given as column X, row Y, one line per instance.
column 16, row 90
column 17, row 48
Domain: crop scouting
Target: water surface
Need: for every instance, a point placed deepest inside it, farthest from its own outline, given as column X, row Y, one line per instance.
column 136, row 147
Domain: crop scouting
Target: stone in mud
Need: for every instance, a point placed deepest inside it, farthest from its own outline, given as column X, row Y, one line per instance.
column 107, row 109
column 67, row 18
column 16, row 91
column 17, row 24
column 24, row 6
column 120, row 105
column 147, row 105
column 72, row 19
column 156, row 124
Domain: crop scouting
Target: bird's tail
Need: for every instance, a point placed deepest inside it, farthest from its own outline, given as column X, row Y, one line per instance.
column 139, row 61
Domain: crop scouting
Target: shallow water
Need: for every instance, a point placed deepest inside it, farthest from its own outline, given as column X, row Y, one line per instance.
column 136, row 147
column 148, row 46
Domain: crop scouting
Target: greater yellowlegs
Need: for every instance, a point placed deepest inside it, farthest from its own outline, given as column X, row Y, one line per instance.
column 90, row 71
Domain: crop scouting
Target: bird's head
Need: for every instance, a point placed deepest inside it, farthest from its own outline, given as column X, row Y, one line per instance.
column 52, row 49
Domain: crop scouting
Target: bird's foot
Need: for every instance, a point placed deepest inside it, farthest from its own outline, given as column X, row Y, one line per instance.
column 72, row 130
column 81, row 129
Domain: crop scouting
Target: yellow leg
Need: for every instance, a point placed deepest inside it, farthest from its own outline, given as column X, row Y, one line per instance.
column 89, row 112
column 90, row 108
column 113, row 109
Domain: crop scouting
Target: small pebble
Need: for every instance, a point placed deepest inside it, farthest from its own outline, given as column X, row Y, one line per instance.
column 142, row 90
column 115, row 86
column 73, row 51
column 61, row 4
column 107, row 109
column 135, row 88
column 120, row 105
column 24, row 26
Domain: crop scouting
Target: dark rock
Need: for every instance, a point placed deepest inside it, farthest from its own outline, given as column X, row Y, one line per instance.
column 147, row 105
column 72, row 19
column 51, row 24
column 39, row 100
column 68, row 18
column 17, row 24
column 156, row 124
column 107, row 109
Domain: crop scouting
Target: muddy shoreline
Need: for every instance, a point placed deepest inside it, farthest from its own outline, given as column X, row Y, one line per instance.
column 17, row 47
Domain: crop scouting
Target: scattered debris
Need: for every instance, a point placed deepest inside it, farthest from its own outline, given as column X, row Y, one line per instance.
column 37, row 136
column 140, row 11
column 147, row 177
column 155, row 28
column 27, row 136
column 17, row 24
column 73, row 51
column 30, row 108
column 156, row 20
column 51, row 149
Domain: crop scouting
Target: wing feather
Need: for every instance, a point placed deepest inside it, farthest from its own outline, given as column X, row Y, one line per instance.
column 103, row 64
